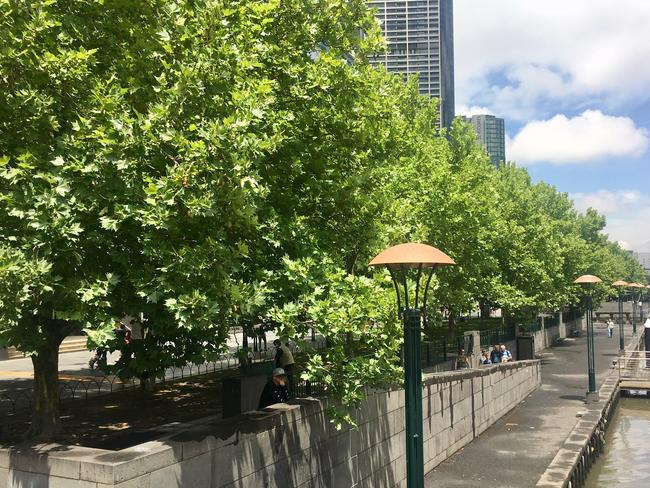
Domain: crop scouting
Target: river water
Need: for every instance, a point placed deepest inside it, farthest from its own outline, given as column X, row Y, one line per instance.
column 626, row 460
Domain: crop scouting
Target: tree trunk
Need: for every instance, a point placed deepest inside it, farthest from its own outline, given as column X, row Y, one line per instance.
column 485, row 309
column 452, row 319
column 46, row 422
column 147, row 383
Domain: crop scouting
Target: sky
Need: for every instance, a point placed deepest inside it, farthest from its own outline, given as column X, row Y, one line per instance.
column 572, row 81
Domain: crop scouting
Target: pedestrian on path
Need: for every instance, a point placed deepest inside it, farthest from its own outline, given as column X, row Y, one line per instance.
column 610, row 328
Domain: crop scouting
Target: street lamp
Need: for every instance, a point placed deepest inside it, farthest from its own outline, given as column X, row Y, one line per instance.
column 647, row 291
column 587, row 281
column 635, row 287
column 620, row 284
column 401, row 261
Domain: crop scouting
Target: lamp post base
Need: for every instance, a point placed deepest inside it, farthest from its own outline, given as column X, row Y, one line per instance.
column 592, row 397
column 621, row 352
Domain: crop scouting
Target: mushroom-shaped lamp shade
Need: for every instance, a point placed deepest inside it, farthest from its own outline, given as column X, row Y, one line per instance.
column 403, row 258
column 634, row 284
column 620, row 283
column 587, row 280
column 411, row 255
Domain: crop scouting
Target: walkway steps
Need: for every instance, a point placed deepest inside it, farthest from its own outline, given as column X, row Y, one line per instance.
column 634, row 385
column 69, row 344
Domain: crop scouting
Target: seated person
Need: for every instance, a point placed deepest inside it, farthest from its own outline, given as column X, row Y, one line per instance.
column 275, row 390
column 461, row 360
column 506, row 356
column 485, row 357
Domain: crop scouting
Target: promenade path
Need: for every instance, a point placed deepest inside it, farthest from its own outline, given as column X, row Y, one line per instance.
column 514, row 452
column 17, row 374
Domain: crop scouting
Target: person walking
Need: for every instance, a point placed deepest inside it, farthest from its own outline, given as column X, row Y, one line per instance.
column 610, row 328
column 283, row 356
column 275, row 390
column 284, row 360
column 260, row 334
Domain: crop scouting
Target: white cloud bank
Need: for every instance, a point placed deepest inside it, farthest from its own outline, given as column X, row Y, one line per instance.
column 586, row 138
column 627, row 213
column 473, row 110
column 551, row 51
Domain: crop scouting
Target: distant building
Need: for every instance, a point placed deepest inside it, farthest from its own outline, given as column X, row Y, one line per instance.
column 420, row 36
column 644, row 260
column 490, row 132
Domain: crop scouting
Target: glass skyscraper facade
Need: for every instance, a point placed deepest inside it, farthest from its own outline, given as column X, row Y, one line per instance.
column 420, row 36
column 490, row 132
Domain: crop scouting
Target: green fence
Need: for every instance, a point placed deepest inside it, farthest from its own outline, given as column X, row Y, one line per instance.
column 531, row 327
column 498, row 335
column 551, row 321
column 441, row 348
column 571, row 315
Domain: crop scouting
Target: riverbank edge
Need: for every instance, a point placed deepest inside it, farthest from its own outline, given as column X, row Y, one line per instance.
column 570, row 466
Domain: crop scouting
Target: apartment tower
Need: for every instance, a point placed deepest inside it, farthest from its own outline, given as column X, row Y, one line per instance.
column 420, row 36
column 490, row 132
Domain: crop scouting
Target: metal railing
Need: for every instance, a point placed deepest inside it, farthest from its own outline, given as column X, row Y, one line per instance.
column 499, row 335
column 531, row 327
column 441, row 349
column 634, row 365
column 551, row 322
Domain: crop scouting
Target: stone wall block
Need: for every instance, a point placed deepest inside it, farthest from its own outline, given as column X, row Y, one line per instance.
column 344, row 474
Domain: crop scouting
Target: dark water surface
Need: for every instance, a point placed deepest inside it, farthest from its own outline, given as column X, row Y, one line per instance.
column 626, row 460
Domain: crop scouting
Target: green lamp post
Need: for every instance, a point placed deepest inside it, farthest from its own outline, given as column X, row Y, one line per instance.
column 620, row 284
column 635, row 288
column 416, row 263
column 587, row 282
column 644, row 290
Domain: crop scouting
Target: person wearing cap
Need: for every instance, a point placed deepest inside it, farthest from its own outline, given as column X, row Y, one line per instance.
column 275, row 390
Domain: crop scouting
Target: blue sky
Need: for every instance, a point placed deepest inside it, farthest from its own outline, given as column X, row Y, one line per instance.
column 572, row 81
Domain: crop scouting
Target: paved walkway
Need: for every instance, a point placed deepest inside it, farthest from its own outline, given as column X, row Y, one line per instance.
column 515, row 451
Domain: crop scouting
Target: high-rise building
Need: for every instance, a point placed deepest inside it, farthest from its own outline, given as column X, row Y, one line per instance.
column 420, row 37
column 490, row 132
column 644, row 260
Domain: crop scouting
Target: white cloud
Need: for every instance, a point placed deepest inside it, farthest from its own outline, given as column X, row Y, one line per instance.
column 473, row 110
column 586, row 138
column 627, row 213
column 550, row 51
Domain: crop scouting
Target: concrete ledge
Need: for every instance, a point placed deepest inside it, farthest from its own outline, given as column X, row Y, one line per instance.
column 576, row 454
column 289, row 445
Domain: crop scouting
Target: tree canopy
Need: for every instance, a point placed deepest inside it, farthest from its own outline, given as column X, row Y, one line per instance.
column 195, row 161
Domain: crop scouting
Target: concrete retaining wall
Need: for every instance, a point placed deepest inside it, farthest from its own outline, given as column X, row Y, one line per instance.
column 290, row 445
column 545, row 337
